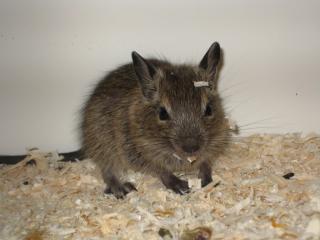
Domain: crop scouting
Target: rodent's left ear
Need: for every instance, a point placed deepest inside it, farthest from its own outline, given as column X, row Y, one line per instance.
column 145, row 72
column 211, row 60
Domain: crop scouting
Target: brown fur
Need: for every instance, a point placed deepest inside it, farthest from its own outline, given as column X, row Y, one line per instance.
column 121, row 128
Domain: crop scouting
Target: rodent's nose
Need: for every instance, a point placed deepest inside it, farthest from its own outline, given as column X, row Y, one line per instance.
column 190, row 145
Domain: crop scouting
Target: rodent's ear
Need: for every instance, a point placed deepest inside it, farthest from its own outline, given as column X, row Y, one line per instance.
column 210, row 61
column 145, row 72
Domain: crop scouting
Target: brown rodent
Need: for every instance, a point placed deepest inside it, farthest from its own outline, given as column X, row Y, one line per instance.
column 150, row 116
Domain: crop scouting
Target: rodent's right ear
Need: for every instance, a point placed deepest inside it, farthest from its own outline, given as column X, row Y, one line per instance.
column 145, row 72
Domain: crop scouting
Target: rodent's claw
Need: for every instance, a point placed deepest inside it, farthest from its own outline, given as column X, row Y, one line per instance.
column 129, row 186
column 176, row 184
column 120, row 190
column 183, row 187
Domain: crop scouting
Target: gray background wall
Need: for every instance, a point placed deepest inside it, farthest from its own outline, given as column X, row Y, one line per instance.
column 52, row 52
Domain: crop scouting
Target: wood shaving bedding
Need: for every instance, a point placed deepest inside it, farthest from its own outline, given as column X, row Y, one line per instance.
column 265, row 187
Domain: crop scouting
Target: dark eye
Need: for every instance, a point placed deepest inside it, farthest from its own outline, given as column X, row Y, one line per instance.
column 163, row 114
column 208, row 111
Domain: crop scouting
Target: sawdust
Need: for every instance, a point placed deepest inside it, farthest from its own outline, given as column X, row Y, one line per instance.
column 266, row 187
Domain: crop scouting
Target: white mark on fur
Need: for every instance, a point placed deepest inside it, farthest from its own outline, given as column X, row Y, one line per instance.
column 201, row 84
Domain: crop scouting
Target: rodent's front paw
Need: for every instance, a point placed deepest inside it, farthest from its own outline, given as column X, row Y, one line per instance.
column 120, row 190
column 206, row 180
column 176, row 184
column 181, row 187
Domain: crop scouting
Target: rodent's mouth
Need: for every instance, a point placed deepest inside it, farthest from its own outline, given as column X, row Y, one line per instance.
column 191, row 159
column 185, row 157
column 179, row 154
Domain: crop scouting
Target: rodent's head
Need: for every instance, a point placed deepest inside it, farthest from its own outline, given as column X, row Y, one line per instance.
column 182, row 107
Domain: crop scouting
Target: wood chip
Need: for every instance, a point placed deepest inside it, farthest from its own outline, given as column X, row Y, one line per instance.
column 253, row 199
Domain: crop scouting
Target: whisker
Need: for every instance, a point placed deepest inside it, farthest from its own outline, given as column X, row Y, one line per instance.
column 231, row 87
column 257, row 128
column 255, row 122
column 241, row 102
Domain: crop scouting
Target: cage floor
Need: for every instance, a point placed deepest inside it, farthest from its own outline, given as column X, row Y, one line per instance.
column 41, row 198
